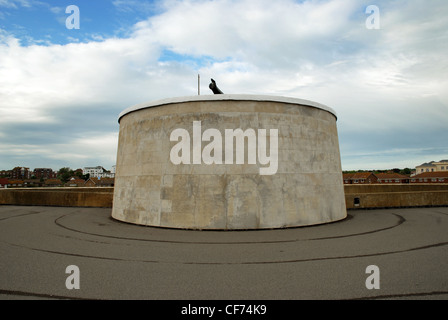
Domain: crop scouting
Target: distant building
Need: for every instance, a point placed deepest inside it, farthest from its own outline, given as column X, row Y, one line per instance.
column 44, row 173
column 359, row 178
column 93, row 171
column 106, row 174
column 374, row 178
column 53, row 183
column 98, row 172
column 391, row 178
column 430, row 177
column 3, row 182
column 100, row 182
column 21, row 173
column 74, row 182
column 32, row 183
column 15, row 183
column 441, row 166
column 5, row 173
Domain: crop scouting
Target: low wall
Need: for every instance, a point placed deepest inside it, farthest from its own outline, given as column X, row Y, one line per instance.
column 60, row 197
column 395, row 196
column 381, row 188
column 368, row 196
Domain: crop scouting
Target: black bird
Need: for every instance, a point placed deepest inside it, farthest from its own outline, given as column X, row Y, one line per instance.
column 214, row 87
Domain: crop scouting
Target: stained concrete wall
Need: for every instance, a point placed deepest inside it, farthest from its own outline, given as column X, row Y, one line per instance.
column 63, row 197
column 395, row 196
column 385, row 188
column 306, row 189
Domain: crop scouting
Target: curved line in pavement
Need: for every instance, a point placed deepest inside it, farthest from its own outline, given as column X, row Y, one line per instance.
column 386, row 296
column 235, row 263
column 400, row 221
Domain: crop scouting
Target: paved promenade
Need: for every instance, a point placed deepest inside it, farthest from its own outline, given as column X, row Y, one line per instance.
column 124, row 261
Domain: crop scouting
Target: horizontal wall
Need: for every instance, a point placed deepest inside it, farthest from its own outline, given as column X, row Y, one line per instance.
column 368, row 196
column 380, row 188
column 395, row 196
column 60, row 197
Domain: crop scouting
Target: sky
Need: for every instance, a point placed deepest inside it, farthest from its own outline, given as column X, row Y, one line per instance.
column 62, row 85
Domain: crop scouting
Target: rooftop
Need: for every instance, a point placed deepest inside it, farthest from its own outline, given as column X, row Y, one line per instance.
column 226, row 97
column 436, row 174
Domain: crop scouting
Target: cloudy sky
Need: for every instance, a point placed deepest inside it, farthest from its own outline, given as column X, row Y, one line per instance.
column 62, row 89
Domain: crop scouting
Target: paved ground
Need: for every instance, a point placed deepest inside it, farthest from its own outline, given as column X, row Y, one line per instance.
column 123, row 261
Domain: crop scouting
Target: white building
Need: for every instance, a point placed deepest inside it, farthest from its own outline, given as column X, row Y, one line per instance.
column 432, row 166
column 98, row 172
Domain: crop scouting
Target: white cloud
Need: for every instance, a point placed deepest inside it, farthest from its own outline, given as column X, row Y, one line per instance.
column 262, row 31
column 15, row 4
column 56, row 10
column 38, row 78
column 86, row 151
column 81, row 152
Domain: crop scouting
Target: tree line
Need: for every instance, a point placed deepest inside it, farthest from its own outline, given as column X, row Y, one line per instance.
column 405, row 171
column 65, row 174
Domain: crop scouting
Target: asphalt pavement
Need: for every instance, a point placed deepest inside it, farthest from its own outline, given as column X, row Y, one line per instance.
column 114, row 260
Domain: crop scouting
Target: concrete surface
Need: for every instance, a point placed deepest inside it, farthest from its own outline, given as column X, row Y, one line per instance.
column 305, row 188
column 125, row 261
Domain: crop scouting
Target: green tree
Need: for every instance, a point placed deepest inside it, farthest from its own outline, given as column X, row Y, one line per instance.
column 406, row 171
column 64, row 174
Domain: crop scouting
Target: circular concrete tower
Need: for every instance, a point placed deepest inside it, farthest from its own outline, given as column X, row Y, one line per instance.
column 228, row 162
